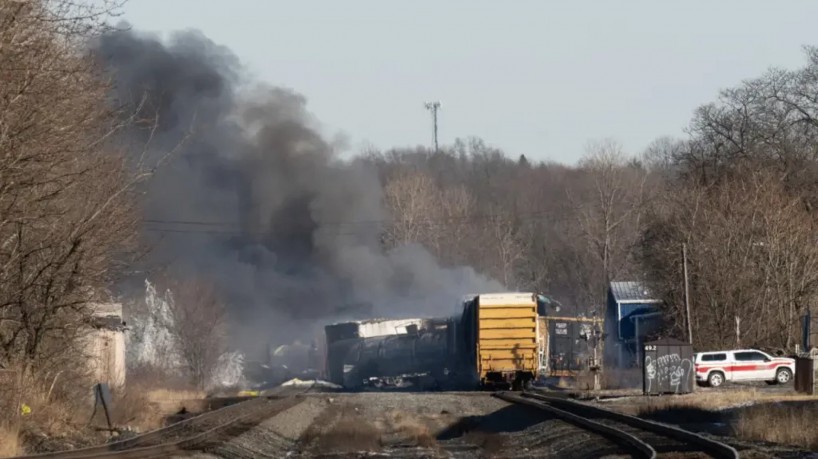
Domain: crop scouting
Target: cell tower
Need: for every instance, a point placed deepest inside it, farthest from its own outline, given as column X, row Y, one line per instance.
column 434, row 107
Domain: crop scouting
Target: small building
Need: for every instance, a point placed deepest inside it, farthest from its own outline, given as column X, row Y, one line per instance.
column 632, row 313
column 105, row 344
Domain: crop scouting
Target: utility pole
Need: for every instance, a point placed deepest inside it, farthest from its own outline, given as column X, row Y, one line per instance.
column 687, row 295
column 434, row 107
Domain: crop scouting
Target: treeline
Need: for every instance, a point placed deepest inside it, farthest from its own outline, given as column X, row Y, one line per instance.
column 548, row 227
column 740, row 193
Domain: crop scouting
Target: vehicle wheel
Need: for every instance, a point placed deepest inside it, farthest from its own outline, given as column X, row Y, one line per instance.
column 715, row 379
column 783, row 376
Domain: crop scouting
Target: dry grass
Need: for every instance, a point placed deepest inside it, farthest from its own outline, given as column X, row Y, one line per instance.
column 345, row 430
column 132, row 408
column 754, row 414
column 58, row 409
column 145, row 404
column 56, row 404
column 61, row 405
column 173, row 395
column 143, row 408
column 789, row 424
column 10, row 444
column 167, row 401
column 717, row 400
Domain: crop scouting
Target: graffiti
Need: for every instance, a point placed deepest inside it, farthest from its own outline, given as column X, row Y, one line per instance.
column 650, row 372
column 668, row 373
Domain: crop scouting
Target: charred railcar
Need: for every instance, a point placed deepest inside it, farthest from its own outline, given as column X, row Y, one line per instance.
column 417, row 357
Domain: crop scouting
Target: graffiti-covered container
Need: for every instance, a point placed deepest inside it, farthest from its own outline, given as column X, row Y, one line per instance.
column 668, row 367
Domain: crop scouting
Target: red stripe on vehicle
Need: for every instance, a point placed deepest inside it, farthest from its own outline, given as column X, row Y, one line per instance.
column 744, row 367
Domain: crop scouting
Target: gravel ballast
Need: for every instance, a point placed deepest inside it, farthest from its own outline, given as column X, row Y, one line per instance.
column 411, row 425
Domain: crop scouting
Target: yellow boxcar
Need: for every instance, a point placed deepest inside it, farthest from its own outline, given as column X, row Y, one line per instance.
column 505, row 338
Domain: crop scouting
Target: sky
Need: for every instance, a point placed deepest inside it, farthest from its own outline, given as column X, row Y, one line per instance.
column 540, row 78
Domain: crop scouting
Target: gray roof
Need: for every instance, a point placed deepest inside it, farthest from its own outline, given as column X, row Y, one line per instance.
column 624, row 292
column 110, row 322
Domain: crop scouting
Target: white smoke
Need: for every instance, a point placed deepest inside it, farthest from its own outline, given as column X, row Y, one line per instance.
column 150, row 341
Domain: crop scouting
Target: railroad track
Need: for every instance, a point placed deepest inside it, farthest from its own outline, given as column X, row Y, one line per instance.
column 639, row 437
column 196, row 433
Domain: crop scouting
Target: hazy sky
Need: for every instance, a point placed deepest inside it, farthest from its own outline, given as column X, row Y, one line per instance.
column 538, row 77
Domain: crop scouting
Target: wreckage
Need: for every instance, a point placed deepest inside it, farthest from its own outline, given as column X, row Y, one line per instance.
column 498, row 340
column 381, row 352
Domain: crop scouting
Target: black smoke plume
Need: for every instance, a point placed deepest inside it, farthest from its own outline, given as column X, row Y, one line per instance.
column 258, row 202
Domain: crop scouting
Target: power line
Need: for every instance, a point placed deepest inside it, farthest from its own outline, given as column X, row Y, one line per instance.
column 476, row 216
column 231, row 228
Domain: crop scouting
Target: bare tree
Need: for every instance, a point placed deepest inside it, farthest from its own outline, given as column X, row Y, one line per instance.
column 504, row 238
column 413, row 201
column 608, row 211
column 65, row 205
column 199, row 328
column 752, row 259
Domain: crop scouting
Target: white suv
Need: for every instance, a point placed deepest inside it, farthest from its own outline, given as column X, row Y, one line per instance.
column 714, row 368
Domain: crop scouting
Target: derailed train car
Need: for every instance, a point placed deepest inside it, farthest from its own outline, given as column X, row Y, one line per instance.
column 387, row 352
column 493, row 342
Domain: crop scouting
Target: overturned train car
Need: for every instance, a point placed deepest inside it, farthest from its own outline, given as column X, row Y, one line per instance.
column 417, row 357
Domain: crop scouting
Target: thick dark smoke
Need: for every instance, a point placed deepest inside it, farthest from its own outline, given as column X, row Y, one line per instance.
column 256, row 200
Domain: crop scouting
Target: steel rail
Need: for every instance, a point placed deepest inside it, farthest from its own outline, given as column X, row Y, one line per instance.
column 709, row 446
column 630, row 443
column 154, row 443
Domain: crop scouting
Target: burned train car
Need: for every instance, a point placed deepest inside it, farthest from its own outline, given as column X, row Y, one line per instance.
column 394, row 353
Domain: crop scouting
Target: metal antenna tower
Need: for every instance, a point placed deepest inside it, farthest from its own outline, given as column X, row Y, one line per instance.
column 434, row 107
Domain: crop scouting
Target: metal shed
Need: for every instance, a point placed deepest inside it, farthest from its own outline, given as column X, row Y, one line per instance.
column 668, row 367
column 806, row 373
